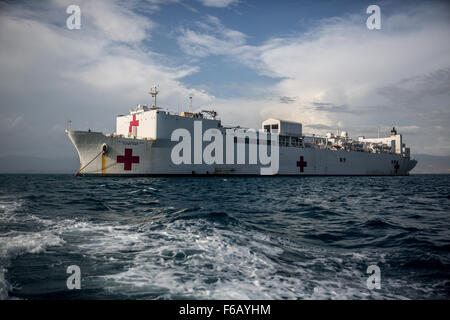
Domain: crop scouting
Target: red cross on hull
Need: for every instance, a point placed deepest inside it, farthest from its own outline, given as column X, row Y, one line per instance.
column 128, row 159
column 133, row 123
column 302, row 164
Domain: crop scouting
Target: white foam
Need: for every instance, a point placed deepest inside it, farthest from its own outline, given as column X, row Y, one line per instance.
column 35, row 242
column 197, row 258
column 8, row 209
column 19, row 244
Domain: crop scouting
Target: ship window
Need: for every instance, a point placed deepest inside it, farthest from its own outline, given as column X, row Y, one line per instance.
column 267, row 128
column 275, row 128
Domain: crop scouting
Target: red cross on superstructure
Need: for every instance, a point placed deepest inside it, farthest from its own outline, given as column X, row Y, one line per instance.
column 302, row 163
column 133, row 123
column 127, row 159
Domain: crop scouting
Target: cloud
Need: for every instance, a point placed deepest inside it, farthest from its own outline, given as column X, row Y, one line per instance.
column 418, row 88
column 218, row 3
column 288, row 100
column 330, row 107
column 98, row 55
column 10, row 123
column 111, row 20
column 344, row 73
column 212, row 39
column 51, row 74
column 118, row 23
column 336, row 73
column 320, row 127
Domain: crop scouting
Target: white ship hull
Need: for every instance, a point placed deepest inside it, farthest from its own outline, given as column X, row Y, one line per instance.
column 142, row 157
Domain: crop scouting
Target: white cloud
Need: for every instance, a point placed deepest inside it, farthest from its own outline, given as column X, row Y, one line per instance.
column 218, row 3
column 51, row 74
column 339, row 73
column 215, row 39
column 99, row 55
column 112, row 20
column 118, row 23
column 359, row 73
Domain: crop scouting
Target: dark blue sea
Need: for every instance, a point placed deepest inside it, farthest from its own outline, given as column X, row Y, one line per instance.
column 225, row 238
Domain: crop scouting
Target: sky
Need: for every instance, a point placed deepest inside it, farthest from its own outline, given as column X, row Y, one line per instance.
column 315, row 62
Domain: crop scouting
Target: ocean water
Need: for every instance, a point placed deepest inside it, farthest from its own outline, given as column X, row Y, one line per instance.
column 225, row 237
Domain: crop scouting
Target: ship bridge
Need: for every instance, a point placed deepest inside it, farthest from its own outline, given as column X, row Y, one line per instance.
column 289, row 132
column 144, row 122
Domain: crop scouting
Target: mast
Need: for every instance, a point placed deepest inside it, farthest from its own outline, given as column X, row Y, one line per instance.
column 154, row 91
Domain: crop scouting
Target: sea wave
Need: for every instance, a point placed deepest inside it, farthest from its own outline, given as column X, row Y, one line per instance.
column 243, row 238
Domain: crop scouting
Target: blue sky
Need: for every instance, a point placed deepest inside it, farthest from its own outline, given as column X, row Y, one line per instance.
column 310, row 61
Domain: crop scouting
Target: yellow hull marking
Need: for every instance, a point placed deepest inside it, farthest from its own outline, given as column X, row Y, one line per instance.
column 103, row 164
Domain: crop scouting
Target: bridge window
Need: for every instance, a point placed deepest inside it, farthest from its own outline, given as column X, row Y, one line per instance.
column 275, row 128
